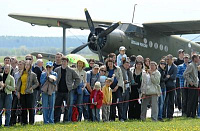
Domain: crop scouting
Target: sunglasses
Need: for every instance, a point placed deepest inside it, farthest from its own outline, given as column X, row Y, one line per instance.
column 163, row 63
column 48, row 66
column 103, row 71
column 28, row 59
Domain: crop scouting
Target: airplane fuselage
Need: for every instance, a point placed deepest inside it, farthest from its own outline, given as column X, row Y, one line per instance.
column 145, row 42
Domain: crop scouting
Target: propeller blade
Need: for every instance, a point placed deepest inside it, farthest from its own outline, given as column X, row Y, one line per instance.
column 80, row 48
column 99, row 53
column 89, row 21
column 109, row 30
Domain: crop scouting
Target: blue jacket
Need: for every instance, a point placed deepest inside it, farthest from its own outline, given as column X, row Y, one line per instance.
column 43, row 77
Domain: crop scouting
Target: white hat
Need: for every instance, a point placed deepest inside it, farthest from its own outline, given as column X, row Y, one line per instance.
column 122, row 48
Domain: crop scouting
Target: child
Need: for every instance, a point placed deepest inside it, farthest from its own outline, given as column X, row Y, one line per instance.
column 107, row 100
column 96, row 98
column 122, row 56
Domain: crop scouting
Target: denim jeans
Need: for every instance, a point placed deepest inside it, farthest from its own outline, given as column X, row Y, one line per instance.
column 125, row 104
column 5, row 102
column 80, row 107
column 70, row 104
column 86, row 99
column 48, row 102
column 161, row 101
column 96, row 114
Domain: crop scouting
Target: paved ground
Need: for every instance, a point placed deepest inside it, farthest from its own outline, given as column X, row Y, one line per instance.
column 39, row 118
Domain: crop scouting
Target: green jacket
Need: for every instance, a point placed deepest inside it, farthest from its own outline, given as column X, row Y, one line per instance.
column 10, row 84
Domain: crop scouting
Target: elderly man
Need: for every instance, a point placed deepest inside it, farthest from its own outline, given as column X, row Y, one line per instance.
column 67, row 81
column 192, row 81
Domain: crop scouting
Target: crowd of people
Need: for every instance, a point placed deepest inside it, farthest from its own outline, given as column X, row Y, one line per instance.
column 130, row 84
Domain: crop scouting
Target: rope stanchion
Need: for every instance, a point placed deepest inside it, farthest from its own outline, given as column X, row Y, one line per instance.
column 121, row 102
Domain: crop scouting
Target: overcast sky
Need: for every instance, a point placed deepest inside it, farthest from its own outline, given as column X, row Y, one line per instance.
column 114, row 10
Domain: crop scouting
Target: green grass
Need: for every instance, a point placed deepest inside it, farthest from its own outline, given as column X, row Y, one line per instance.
column 177, row 124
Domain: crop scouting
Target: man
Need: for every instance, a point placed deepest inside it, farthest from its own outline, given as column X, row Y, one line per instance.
column 191, row 77
column 67, row 81
column 178, row 94
column 58, row 60
column 30, row 58
column 127, row 77
column 38, row 56
column 180, row 83
column 171, row 71
column 7, row 60
column 14, row 65
column 92, row 77
column 91, row 64
column 37, row 91
column 113, row 57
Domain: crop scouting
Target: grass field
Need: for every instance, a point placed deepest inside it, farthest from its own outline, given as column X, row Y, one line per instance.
column 177, row 124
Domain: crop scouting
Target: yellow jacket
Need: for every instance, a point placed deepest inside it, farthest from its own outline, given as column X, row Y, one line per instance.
column 107, row 95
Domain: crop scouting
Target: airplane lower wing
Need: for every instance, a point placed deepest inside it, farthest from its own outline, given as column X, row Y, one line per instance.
column 175, row 27
column 52, row 21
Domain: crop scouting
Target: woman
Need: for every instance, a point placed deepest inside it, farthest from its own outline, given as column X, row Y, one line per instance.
column 161, row 99
column 117, row 87
column 7, row 85
column 25, row 85
column 79, row 92
column 150, row 90
column 135, row 106
column 147, row 63
column 48, row 92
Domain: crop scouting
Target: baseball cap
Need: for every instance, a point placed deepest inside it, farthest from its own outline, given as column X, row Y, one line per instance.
column 122, row 48
column 49, row 63
column 180, row 51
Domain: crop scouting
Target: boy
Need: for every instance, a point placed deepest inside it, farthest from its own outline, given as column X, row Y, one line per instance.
column 107, row 100
column 122, row 56
column 96, row 98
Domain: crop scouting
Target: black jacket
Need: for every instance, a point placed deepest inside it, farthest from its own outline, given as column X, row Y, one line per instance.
column 38, row 72
column 162, row 78
column 171, row 81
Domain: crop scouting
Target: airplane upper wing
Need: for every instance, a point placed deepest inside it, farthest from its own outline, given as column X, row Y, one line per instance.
column 176, row 27
column 52, row 21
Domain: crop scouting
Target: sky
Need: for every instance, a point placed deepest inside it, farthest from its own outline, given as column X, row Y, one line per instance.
column 114, row 10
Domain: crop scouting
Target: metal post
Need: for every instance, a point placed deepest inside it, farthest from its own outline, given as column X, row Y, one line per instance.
column 133, row 12
column 64, row 41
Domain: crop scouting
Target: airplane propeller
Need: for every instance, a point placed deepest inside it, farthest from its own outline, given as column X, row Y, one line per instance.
column 94, row 38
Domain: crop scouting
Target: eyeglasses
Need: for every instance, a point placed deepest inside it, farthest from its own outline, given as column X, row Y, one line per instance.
column 163, row 63
column 28, row 59
column 91, row 63
column 103, row 71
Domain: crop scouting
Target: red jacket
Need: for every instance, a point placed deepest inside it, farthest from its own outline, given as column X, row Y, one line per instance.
column 99, row 99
